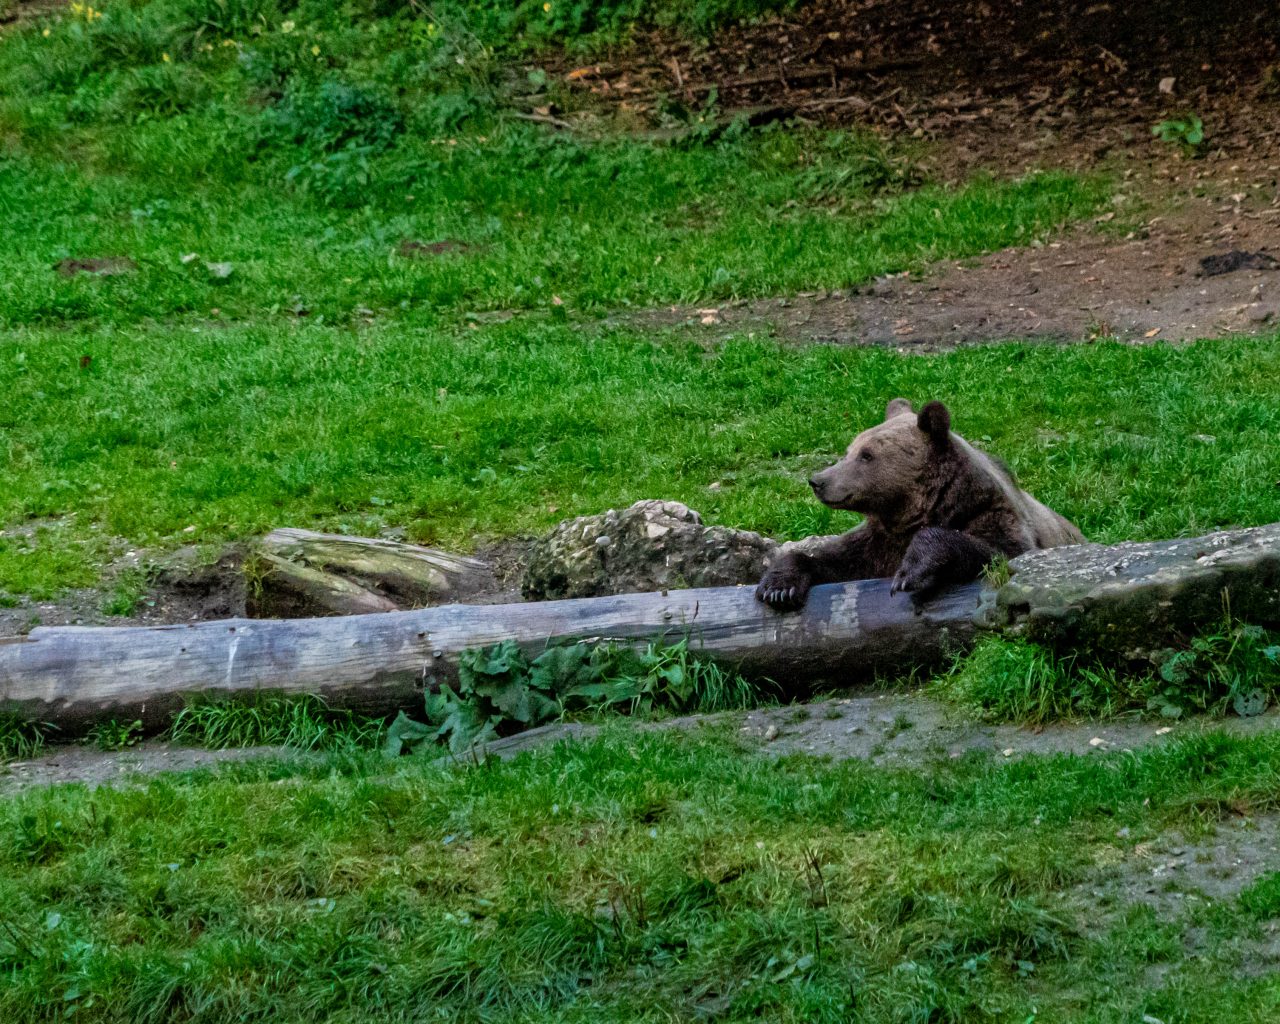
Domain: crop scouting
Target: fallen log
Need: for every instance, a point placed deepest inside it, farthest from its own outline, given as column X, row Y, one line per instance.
column 75, row 676
column 1122, row 602
column 308, row 586
column 303, row 572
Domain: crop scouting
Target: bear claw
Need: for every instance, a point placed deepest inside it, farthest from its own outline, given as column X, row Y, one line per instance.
column 781, row 597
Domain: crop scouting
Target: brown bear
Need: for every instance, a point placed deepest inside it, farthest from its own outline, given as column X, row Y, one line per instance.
column 937, row 510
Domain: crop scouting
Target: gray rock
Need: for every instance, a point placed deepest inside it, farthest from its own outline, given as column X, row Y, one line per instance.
column 1261, row 312
column 653, row 545
column 1133, row 599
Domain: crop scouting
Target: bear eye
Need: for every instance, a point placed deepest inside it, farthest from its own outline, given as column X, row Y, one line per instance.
column 865, row 456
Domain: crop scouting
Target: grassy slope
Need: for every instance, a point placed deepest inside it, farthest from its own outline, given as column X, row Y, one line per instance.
column 330, row 382
column 632, row 879
column 654, row 878
column 234, row 430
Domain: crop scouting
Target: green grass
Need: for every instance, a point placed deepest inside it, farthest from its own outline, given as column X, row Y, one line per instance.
column 1262, row 898
column 305, row 723
column 19, row 738
column 1233, row 668
column 510, row 428
column 595, row 226
column 639, row 878
column 274, row 360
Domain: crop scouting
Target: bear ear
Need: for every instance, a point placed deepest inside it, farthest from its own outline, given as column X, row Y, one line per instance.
column 935, row 421
column 897, row 407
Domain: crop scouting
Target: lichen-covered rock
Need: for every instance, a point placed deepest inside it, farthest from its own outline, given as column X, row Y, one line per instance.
column 1134, row 598
column 653, row 545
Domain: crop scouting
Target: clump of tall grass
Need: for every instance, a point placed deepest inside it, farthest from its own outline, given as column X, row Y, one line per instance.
column 302, row 723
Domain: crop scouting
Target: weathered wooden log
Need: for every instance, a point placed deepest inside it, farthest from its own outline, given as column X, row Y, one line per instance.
column 325, row 590
column 74, row 676
column 303, row 571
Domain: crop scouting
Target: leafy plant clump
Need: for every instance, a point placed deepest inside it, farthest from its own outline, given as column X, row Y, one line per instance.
column 1186, row 130
column 1235, row 668
column 337, row 127
column 501, row 691
column 115, row 734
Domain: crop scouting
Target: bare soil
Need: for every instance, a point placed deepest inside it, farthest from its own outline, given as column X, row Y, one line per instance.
column 904, row 730
column 182, row 587
column 94, row 767
column 999, row 84
column 1005, row 88
column 185, row 586
column 1172, row 872
column 1148, row 285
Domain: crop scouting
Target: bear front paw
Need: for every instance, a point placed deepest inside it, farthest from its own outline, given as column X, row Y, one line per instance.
column 915, row 578
column 783, row 590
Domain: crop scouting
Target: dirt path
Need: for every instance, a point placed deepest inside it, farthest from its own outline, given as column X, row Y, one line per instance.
column 889, row 729
column 95, row 767
column 885, row 729
column 1149, row 286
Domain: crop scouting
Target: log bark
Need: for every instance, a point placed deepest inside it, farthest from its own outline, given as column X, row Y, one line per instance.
column 74, row 676
column 318, row 573
column 1121, row 601
column 324, row 590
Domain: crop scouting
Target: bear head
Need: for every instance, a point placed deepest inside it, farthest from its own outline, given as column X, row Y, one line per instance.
column 887, row 466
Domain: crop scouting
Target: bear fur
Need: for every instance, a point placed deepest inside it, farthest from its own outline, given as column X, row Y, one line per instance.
column 937, row 511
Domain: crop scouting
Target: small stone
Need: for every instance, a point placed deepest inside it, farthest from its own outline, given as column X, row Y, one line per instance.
column 1008, row 752
column 771, row 733
column 1097, row 741
column 1164, row 730
column 1166, row 85
column 603, row 541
